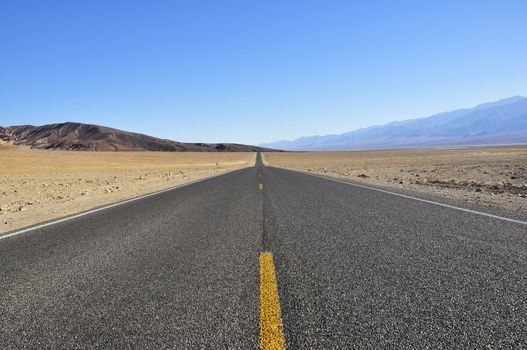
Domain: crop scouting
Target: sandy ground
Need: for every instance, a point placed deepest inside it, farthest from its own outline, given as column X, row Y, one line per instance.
column 37, row 186
column 495, row 177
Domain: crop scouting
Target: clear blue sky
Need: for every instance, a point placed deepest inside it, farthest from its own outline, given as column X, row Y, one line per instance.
column 255, row 71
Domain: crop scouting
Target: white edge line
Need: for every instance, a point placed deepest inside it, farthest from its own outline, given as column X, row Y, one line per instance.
column 32, row 228
column 414, row 198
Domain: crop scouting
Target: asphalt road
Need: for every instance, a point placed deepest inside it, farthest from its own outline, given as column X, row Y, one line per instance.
column 356, row 268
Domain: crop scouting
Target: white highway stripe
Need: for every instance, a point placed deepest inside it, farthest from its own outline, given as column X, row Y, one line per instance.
column 417, row 199
column 110, row 206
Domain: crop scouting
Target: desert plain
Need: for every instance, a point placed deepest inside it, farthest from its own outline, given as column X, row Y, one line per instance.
column 493, row 176
column 40, row 185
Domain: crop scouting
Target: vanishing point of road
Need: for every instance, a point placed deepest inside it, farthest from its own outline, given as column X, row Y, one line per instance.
column 267, row 257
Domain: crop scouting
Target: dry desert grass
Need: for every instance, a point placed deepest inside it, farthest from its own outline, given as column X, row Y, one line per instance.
column 491, row 176
column 38, row 185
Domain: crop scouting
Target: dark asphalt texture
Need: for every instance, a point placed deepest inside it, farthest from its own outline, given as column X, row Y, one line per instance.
column 356, row 269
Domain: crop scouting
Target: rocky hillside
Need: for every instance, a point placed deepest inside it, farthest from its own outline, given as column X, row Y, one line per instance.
column 85, row 137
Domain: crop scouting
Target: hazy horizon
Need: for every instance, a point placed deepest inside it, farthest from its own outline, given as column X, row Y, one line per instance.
column 255, row 73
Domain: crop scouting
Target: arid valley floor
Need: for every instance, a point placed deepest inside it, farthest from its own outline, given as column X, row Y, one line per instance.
column 495, row 177
column 38, row 185
column 328, row 262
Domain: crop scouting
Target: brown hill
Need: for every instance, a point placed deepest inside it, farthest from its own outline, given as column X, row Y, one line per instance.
column 86, row 137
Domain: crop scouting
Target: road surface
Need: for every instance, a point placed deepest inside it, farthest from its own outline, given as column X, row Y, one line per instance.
column 355, row 268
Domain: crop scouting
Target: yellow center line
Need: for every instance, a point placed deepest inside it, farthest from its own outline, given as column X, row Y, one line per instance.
column 271, row 334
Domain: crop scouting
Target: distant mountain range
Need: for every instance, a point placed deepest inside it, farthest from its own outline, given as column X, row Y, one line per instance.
column 85, row 137
column 501, row 122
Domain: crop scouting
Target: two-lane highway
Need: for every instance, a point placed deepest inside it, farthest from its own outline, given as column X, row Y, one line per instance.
column 355, row 268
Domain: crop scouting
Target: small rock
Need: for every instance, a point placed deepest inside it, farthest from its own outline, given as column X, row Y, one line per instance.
column 364, row 176
column 21, row 208
column 108, row 190
column 84, row 193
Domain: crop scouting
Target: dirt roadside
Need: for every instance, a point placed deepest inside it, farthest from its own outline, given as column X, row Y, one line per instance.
column 496, row 177
column 37, row 186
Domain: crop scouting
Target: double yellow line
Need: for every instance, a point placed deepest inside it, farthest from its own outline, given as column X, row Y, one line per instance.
column 271, row 332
